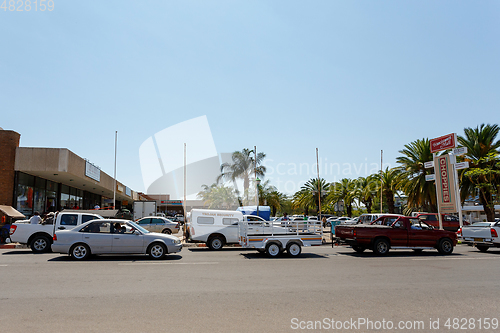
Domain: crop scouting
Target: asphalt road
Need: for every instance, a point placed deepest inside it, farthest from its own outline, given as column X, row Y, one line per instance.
column 236, row 290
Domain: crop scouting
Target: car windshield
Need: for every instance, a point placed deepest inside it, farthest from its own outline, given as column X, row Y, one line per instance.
column 138, row 227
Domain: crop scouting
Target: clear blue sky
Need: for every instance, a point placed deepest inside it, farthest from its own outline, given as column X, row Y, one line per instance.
column 348, row 77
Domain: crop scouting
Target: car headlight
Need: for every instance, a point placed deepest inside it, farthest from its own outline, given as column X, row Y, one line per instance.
column 177, row 241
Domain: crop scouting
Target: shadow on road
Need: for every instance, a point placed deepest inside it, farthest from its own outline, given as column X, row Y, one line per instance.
column 398, row 254
column 224, row 249
column 18, row 252
column 116, row 257
column 257, row 255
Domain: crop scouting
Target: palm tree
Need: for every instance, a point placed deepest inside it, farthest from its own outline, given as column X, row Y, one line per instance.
column 390, row 182
column 366, row 190
column 218, row 196
column 421, row 193
column 308, row 196
column 483, row 173
column 344, row 190
column 269, row 195
column 243, row 167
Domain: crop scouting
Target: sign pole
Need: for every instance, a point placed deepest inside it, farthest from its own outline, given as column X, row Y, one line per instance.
column 184, row 201
column 114, row 176
column 319, row 188
column 381, row 182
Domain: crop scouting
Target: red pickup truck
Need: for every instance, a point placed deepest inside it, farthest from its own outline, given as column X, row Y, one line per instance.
column 401, row 233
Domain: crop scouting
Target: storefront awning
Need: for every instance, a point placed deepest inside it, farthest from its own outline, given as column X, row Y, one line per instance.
column 9, row 211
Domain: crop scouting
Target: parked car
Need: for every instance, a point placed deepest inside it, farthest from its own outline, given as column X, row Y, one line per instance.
column 482, row 235
column 159, row 224
column 333, row 221
column 113, row 237
column 450, row 222
column 369, row 218
column 346, row 220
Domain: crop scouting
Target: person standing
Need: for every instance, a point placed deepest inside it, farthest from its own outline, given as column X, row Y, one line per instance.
column 35, row 219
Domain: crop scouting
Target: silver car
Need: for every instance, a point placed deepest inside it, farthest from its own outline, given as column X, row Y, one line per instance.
column 113, row 237
column 159, row 224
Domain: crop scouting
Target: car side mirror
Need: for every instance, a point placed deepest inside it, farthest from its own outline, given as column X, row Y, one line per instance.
column 136, row 232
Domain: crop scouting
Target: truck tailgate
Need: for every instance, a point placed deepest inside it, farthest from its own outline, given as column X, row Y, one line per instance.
column 476, row 233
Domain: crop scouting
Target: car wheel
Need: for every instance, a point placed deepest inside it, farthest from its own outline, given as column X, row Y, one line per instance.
column 157, row 251
column 445, row 246
column 167, row 231
column 482, row 248
column 358, row 249
column 215, row 243
column 293, row 249
column 381, row 247
column 79, row 252
column 273, row 250
column 40, row 244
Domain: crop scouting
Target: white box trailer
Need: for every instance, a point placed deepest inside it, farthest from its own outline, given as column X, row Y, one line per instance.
column 143, row 209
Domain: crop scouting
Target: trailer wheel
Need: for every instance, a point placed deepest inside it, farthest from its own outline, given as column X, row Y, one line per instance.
column 215, row 243
column 482, row 248
column 293, row 249
column 381, row 247
column 273, row 250
column 445, row 246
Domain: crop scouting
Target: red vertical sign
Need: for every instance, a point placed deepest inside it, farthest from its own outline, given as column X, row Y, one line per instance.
column 445, row 184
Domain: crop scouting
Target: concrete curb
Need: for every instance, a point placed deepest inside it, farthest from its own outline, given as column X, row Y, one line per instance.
column 13, row 246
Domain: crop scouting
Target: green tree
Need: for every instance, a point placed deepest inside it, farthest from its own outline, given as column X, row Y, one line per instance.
column 482, row 155
column 390, row 182
column 365, row 190
column 345, row 191
column 243, row 167
column 308, row 196
column 218, row 196
column 270, row 196
column 421, row 193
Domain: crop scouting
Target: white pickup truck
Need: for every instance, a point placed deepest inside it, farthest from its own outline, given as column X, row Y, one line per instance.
column 482, row 235
column 39, row 236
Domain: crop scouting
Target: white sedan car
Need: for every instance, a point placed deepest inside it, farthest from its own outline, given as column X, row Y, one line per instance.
column 159, row 224
column 113, row 237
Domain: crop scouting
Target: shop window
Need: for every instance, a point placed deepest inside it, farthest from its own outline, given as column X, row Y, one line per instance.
column 25, row 199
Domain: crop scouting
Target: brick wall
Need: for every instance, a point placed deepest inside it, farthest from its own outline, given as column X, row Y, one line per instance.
column 9, row 141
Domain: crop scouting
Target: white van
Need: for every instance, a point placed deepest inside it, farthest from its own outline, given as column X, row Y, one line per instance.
column 214, row 227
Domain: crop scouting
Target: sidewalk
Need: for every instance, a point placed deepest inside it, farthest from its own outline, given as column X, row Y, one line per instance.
column 13, row 246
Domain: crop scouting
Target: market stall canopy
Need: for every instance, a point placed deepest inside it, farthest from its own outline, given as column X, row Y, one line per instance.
column 11, row 212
